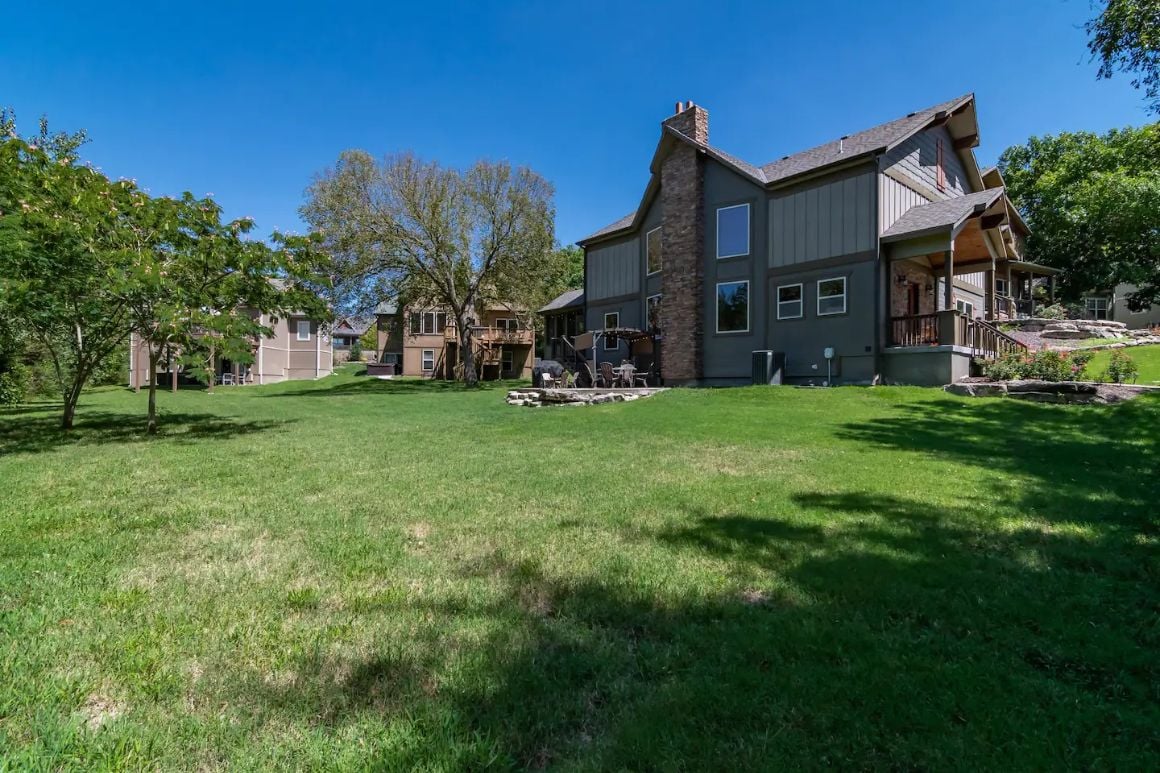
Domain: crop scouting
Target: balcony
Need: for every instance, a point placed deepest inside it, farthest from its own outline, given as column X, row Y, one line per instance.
column 493, row 336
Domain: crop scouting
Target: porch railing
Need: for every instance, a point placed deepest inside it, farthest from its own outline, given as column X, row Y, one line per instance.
column 916, row 330
column 494, row 335
column 951, row 328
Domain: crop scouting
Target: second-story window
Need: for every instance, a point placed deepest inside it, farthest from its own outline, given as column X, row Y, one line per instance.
column 652, row 250
column 428, row 323
column 733, row 231
column 508, row 324
column 652, row 312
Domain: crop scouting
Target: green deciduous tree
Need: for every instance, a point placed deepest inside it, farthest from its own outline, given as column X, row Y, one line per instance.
column 1093, row 204
column 434, row 235
column 1125, row 37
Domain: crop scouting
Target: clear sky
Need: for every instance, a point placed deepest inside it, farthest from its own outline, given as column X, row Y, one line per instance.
column 248, row 100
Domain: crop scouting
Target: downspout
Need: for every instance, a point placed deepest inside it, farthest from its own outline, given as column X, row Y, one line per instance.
column 318, row 352
column 261, row 370
column 132, row 375
column 883, row 269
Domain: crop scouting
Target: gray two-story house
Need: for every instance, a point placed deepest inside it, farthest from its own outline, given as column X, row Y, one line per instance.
column 888, row 249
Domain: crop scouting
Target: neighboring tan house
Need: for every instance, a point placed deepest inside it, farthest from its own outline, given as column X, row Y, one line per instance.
column 298, row 348
column 1114, row 306
column 887, row 249
column 425, row 342
column 346, row 332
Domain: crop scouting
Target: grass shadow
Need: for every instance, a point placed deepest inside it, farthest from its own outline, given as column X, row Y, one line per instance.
column 396, row 387
column 43, row 433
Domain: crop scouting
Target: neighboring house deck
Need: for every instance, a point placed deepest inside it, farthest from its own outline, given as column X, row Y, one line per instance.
column 889, row 249
column 424, row 342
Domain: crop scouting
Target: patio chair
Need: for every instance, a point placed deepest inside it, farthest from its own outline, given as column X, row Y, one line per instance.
column 607, row 374
column 227, row 379
column 629, row 377
column 566, row 380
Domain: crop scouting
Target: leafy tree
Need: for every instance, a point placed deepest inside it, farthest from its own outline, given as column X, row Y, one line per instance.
column 62, row 267
column 1125, row 37
column 459, row 239
column 1093, row 205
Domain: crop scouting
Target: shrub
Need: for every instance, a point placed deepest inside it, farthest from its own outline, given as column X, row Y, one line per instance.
column 1054, row 311
column 1121, row 368
column 1046, row 365
column 13, row 385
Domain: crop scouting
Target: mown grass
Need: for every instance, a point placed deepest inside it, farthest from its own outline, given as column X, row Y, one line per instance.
column 405, row 575
column 1147, row 358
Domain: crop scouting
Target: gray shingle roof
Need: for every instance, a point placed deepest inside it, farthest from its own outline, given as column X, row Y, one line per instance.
column 386, row 307
column 876, row 138
column 940, row 214
column 565, row 300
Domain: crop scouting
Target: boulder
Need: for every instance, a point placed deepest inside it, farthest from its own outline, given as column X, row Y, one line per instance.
column 1050, row 387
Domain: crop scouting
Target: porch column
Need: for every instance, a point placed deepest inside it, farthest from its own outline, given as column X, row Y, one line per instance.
column 1051, row 288
column 949, row 279
column 991, row 305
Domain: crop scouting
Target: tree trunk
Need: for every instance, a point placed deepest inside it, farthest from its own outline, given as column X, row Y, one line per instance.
column 151, row 422
column 212, row 370
column 466, row 352
column 71, row 398
column 172, row 371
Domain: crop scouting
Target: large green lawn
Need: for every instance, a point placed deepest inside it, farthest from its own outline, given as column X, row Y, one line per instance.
column 1147, row 358
column 357, row 573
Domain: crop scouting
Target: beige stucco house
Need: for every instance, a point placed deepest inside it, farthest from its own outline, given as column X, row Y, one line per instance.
column 297, row 348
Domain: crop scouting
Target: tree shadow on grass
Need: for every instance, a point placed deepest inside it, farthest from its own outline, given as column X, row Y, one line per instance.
column 401, row 386
column 30, row 435
column 913, row 643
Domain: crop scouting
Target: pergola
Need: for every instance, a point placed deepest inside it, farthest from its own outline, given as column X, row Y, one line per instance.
column 632, row 335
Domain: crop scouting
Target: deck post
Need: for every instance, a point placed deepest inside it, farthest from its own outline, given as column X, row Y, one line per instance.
column 949, row 279
column 991, row 305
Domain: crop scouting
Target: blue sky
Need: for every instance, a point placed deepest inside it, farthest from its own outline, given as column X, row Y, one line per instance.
column 249, row 100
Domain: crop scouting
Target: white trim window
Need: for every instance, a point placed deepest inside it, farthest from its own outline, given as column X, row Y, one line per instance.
column 431, row 323
column 732, row 231
column 1000, row 286
column 965, row 307
column 831, row 296
column 1096, row 307
column 652, row 312
column 652, row 252
column 733, row 307
column 507, row 324
column 611, row 322
column 428, row 360
column 302, row 331
column 790, row 303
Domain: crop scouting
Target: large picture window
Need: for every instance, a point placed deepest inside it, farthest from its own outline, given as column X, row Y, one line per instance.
column 789, row 302
column 733, row 307
column 431, row 323
column 652, row 250
column 832, row 296
column 733, row 231
column 611, row 322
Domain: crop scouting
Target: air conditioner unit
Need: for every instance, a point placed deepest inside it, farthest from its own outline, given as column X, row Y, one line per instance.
column 768, row 367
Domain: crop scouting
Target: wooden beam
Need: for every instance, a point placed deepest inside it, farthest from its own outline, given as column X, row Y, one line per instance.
column 970, row 141
column 987, row 222
column 941, row 117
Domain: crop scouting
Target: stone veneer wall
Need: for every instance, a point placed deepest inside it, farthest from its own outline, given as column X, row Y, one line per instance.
column 898, row 298
column 682, row 244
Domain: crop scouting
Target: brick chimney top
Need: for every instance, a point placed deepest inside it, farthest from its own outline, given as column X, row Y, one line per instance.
column 690, row 120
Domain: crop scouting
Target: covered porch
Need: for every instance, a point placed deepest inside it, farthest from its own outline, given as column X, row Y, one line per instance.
column 944, row 258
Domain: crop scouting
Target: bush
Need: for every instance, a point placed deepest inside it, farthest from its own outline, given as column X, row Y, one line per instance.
column 1054, row 311
column 13, row 385
column 1045, row 365
column 1121, row 368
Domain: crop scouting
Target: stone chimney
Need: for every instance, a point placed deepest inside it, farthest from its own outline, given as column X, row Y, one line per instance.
column 690, row 120
column 682, row 248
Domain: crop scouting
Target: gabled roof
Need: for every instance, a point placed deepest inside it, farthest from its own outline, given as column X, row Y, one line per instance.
column 865, row 143
column 353, row 326
column 565, row 300
column 945, row 215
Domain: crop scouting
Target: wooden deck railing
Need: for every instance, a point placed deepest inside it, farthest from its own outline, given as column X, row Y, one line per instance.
column 494, row 335
column 981, row 337
column 917, row 330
